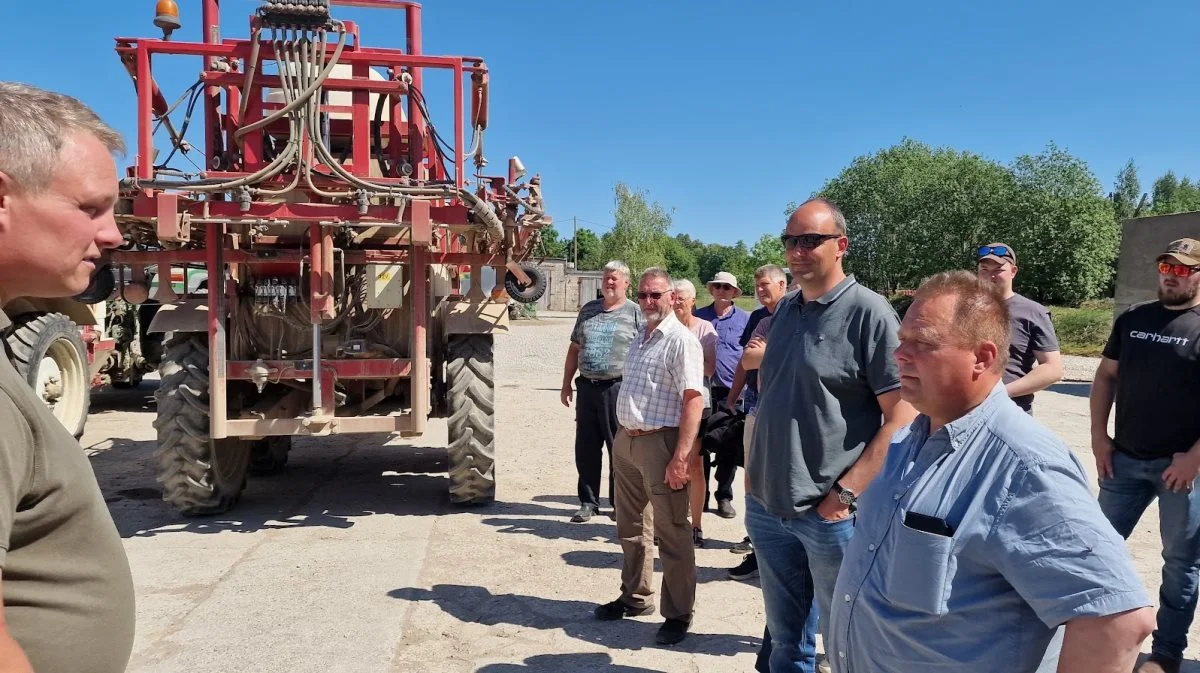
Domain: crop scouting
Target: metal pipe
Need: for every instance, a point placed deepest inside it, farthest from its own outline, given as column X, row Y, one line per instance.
column 316, row 381
column 458, row 127
column 416, row 120
column 145, row 131
column 211, row 34
column 218, row 412
column 419, row 383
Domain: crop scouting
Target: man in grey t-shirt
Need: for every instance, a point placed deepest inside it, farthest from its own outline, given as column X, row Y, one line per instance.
column 829, row 403
column 1034, row 362
column 603, row 331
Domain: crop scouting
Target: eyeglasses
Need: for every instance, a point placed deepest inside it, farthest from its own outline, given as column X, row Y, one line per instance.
column 720, row 286
column 643, row 296
column 997, row 250
column 1181, row 270
column 806, row 241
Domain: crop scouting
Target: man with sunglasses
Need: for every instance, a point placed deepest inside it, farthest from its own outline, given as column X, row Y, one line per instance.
column 1034, row 362
column 829, row 402
column 659, row 409
column 730, row 322
column 1151, row 367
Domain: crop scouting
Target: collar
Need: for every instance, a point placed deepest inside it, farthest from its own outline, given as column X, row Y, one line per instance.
column 666, row 324
column 963, row 428
column 833, row 293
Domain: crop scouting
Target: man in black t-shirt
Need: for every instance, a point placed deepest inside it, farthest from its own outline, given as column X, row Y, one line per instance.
column 1151, row 367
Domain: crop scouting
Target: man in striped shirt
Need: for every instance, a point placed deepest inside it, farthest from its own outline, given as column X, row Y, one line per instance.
column 658, row 410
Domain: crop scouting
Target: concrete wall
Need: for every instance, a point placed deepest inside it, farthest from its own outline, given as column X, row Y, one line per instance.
column 563, row 286
column 1142, row 240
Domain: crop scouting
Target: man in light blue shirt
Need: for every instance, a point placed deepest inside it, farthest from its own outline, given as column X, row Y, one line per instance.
column 980, row 537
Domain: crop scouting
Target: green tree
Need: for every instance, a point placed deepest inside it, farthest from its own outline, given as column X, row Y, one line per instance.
column 1163, row 194
column 913, row 210
column 591, row 252
column 639, row 232
column 1126, row 192
column 681, row 260
column 768, row 249
column 1062, row 227
column 553, row 246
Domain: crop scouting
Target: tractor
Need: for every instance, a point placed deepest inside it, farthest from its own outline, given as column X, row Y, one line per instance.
column 331, row 218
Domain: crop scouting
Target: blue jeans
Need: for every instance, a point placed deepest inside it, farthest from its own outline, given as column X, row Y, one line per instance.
column 1123, row 499
column 798, row 561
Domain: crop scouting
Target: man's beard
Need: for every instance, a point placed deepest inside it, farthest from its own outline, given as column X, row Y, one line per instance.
column 656, row 314
column 1179, row 296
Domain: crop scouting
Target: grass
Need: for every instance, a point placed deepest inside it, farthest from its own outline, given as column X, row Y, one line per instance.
column 1083, row 330
column 746, row 301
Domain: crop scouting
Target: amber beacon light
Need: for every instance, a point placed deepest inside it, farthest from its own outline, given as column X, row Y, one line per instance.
column 166, row 16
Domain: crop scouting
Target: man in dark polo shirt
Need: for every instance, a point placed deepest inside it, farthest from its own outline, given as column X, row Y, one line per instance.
column 1151, row 367
column 68, row 593
column 829, row 403
column 603, row 331
column 1034, row 362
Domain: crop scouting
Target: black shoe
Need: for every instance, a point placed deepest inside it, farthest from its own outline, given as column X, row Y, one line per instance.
column 672, row 631
column 618, row 609
column 585, row 513
column 697, row 538
column 725, row 509
column 743, row 547
column 657, row 539
column 747, row 569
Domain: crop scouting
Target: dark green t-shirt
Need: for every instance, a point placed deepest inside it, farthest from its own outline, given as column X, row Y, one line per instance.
column 825, row 363
column 68, row 592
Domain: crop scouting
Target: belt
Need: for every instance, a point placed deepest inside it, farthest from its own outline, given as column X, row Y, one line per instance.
column 642, row 433
column 600, row 382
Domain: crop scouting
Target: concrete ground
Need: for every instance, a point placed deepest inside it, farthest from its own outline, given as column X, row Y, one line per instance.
column 353, row 561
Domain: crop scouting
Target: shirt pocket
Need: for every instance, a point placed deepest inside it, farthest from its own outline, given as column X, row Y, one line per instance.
column 918, row 576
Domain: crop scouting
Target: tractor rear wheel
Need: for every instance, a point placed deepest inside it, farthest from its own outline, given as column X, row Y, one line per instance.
column 199, row 475
column 49, row 354
column 470, row 387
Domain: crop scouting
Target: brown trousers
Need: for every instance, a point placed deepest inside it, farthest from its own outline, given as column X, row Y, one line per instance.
column 640, row 464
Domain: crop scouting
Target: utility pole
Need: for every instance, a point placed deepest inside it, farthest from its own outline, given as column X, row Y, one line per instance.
column 575, row 240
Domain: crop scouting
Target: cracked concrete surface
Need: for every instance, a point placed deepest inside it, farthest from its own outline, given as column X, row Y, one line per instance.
column 352, row 560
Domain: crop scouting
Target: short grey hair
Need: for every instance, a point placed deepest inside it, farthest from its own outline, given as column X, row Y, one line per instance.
column 772, row 271
column 658, row 272
column 34, row 124
column 684, row 288
column 617, row 266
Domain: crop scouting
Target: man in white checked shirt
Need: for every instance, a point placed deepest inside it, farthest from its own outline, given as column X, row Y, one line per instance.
column 658, row 410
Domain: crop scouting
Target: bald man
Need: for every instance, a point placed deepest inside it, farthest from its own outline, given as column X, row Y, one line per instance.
column 829, row 401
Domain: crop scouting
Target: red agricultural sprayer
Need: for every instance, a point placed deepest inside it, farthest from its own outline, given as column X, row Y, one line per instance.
column 331, row 219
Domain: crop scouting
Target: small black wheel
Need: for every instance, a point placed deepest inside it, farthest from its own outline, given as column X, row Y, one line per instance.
column 526, row 294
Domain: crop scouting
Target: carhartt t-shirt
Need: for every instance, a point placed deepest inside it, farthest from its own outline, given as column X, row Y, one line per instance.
column 604, row 336
column 68, row 592
column 1158, row 379
column 1031, row 332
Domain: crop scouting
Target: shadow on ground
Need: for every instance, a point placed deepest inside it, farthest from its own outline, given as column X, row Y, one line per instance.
column 591, row 558
column 478, row 605
column 565, row 663
column 1073, row 388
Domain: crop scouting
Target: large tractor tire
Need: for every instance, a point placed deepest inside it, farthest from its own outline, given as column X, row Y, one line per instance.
column 199, row 475
column 48, row 351
column 470, row 388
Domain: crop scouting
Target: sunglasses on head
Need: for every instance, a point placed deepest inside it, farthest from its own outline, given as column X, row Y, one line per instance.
column 806, row 241
column 997, row 250
column 643, row 296
column 1181, row 270
column 721, row 286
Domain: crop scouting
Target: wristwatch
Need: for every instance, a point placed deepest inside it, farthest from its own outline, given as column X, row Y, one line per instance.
column 846, row 496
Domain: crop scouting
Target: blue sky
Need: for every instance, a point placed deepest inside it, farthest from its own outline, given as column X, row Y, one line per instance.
column 726, row 111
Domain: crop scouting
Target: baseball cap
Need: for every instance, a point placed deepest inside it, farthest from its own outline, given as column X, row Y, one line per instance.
column 1000, row 252
column 1184, row 251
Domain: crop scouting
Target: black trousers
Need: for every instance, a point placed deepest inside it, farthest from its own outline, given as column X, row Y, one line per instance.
column 727, row 464
column 595, row 427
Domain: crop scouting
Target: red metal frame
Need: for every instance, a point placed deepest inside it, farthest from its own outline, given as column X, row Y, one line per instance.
column 223, row 81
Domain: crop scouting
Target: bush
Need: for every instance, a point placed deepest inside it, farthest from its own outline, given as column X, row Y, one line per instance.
column 1083, row 330
column 901, row 302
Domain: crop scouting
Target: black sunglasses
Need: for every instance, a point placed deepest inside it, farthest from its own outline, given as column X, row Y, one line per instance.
column 721, row 286
column 997, row 250
column 643, row 296
column 806, row 241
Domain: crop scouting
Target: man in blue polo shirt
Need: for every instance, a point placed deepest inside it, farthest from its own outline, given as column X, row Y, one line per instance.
column 730, row 322
column 980, row 536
